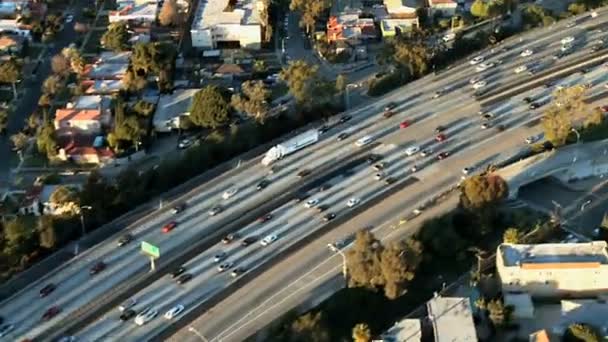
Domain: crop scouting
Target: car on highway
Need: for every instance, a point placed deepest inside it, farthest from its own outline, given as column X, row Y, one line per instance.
column 475, row 79
column 45, row 291
column 323, row 129
column 449, row 37
column 388, row 114
column 263, row 184
column 390, row 105
column 566, row 47
column 379, row 175
column 571, row 24
column 486, row 125
column 50, row 313
column 528, row 99
column 443, row 155
column 364, row 141
column 174, row 311
column 479, row 85
column 265, row 218
column 426, row 152
column 215, row 210
column 322, row 208
column 342, row 136
column 269, row 239
column 145, row 316
column 410, row 151
column 304, row 173
column 379, row 166
column 98, row 267
column 488, row 116
column 311, row 203
column 440, row 137
column 127, row 315
column 219, row 256
column 467, row 170
column 178, row 208
column 345, row 118
column 248, row 241
column 372, row 158
column 169, row 227
column 476, row 60
column 567, row 40
column 324, row 187
column 178, row 272
column 225, row 266
column 526, row 53
column 229, row 238
column 439, row 93
column 520, row 69
column 127, row 304
column 125, row 240
column 352, row 202
column 236, row 272
column 184, row 278
column 184, row 143
column 439, row 129
column 329, row 217
column 483, row 67
column 390, row 180
column 229, row 193
column 532, row 139
column 5, row 329
column 299, row 197
column 404, row 124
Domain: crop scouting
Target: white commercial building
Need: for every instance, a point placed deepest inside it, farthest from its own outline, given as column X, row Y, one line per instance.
column 554, row 270
column 229, row 22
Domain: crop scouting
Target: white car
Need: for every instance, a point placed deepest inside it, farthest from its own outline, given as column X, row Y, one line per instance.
column 311, row 203
column 467, row 170
column 484, row 66
column 127, row 304
column 532, row 139
column 410, row 151
column 379, row 176
column 174, row 311
column 364, row 141
column 448, row 37
column 521, row 69
column 219, row 256
column 475, row 79
column 185, row 143
column 352, row 202
column 268, row 240
column 145, row 316
column 479, row 84
column 69, row 18
column 229, row 193
column 567, row 40
column 476, row 60
column 526, row 53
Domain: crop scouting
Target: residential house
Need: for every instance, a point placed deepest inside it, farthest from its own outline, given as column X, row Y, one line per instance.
column 171, row 108
column 350, row 27
column 399, row 8
column 102, row 87
column 10, row 43
column 11, row 26
column 230, row 71
column 394, row 27
column 106, row 71
column 136, row 11
column 80, row 121
column 99, row 102
column 445, row 8
column 110, row 57
column 80, row 154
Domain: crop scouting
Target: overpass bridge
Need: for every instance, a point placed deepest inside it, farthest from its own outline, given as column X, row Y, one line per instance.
column 569, row 163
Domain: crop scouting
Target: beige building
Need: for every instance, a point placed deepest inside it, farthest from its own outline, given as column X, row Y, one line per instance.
column 563, row 270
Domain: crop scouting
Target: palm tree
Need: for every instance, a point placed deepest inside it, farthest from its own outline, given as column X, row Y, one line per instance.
column 10, row 72
column 362, row 333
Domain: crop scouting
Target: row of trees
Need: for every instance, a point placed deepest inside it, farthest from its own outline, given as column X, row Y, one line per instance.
column 492, row 8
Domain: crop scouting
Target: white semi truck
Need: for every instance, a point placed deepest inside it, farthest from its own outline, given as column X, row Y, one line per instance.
column 290, row 146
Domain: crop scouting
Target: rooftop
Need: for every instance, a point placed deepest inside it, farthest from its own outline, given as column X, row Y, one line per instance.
column 392, row 24
column 104, row 70
column 554, row 255
column 134, row 11
column 90, row 102
column 406, row 330
column 77, row 114
column 110, row 57
column 174, row 105
column 452, row 319
column 102, row 86
column 210, row 13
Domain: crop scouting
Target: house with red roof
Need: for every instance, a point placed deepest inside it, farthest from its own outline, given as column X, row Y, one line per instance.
column 80, row 121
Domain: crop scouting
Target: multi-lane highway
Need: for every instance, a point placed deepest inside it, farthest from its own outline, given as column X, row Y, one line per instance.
column 456, row 110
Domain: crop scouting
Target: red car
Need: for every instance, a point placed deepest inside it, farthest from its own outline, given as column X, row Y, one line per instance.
column 169, row 226
column 404, row 124
column 45, row 291
column 442, row 155
column 265, row 218
column 50, row 313
column 98, row 267
column 440, row 137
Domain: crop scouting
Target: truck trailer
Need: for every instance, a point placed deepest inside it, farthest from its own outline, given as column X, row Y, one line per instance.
column 290, row 146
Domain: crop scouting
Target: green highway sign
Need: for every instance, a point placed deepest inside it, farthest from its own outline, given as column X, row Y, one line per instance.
column 150, row 249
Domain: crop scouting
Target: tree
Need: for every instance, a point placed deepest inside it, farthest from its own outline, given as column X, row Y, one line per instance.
column 47, row 233
column 18, row 237
column 309, row 328
column 169, row 14
column 259, row 66
column 512, row 235
column 481, row 191
column 143, row 108
column 310, row 10
column 20, row 141
column 116, row 37
column 52, row 85
column 362, row 333
column 210, row 108
column 300, row 78
column 413, row 56
column 3, row 121
column 557, row 120
column 60, row 65
column 46, row 141
column 10, row 72
column 128, row 130
column 265, row 20
column 596, row 118
column 398, row 264
column 341, row 82
column 499, row 313
column 253, row 100
column 63, row 195
column 535, row 15
column 76, row 61
column 581, row 332
column 132, row 82
column 480, row 9
column 363, row 261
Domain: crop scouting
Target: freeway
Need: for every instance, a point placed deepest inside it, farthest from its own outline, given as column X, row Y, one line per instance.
column 292, row 222
column 75, row 287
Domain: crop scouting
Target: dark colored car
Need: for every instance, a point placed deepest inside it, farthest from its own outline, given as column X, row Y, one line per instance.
column 184, row 278
column 45, row 291
column 345, row 118
column 179, row 208
column 237, row 271
column 390, row 180
column 265, row 218
column 389, row 113
column 324, row 187
column 50, row 313
column 373, row 158
column 229, row 238
column 248, row 241
column 390, row 106
column 584, row 71
column 323, row 129
column 501, row 128
column 300, row 197
column 178, row 272
column 442, row 155
column 263, row 184
column 329, row 217
column 439, row 129
column 304, row 173
column 322, row 208
column 534, row 105
column 98, row 267
column 125, row 240
column 342, row 136
column 527, row 100
column 127, row 315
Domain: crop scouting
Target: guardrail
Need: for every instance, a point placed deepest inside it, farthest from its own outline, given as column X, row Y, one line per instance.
column 88, row 313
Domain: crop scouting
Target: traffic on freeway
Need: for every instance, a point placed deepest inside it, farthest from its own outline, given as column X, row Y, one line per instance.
column 442, row 100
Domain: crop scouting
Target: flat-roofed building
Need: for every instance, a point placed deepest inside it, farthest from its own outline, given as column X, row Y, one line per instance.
column 232, row 23
column 406, row 330
column 171, row 108
column 554, row 269
column 452, row 319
